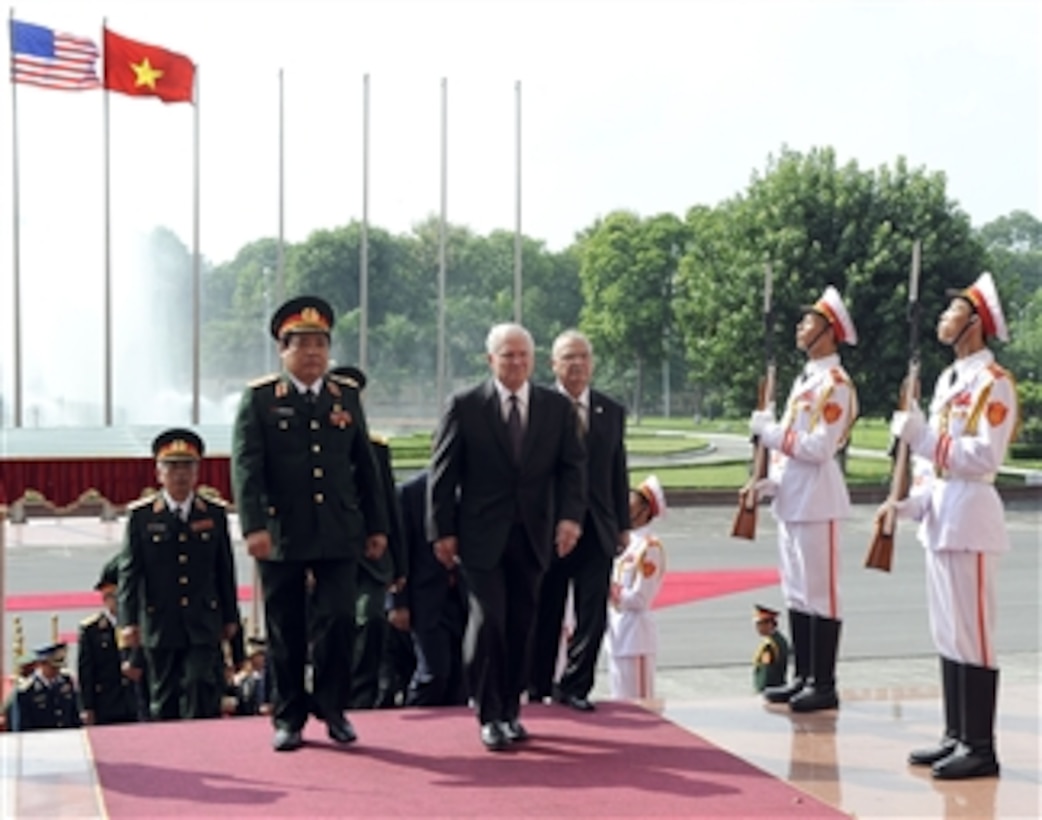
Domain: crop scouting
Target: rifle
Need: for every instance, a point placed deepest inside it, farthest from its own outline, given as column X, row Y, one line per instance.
column 881, row 550
column 745, row 518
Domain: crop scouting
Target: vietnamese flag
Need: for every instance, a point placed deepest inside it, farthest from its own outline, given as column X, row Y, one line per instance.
column 143, row 70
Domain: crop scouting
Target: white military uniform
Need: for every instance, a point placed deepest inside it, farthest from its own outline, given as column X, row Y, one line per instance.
column 811, row 495
column 632, row 637
column 973, row 415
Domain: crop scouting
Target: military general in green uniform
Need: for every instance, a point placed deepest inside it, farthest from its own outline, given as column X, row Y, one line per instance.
column 309, row 496
column 107, row 693
column 177, row 595
column 771, row 661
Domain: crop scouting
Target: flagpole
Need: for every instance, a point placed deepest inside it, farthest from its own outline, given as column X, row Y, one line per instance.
column 280, row 265
column 108, row 255
column 441, row 242
column 196, row 285
column 363, row 274
column 16, row 250
column 517, row 206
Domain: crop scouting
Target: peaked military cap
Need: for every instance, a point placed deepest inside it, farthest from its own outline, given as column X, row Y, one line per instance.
column 303, row 314
column 177, row 444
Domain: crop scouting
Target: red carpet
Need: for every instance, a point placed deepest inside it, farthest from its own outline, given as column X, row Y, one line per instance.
column 677, row 588
column 618, row 761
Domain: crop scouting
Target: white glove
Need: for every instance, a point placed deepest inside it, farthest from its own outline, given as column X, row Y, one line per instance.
column 908, row 425
column 905, row 508
column 765, row 488
column 760, row 420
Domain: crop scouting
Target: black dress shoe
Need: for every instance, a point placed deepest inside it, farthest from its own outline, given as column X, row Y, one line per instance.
column 514, row 731
column 575, row 702
column 493, row 737
column 287, row 740
column 341, row 730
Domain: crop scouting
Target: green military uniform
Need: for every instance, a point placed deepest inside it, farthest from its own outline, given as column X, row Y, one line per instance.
column 771, row 661
column 304, row 470
column 374, row 579
column 104, row 689
column 177, row 584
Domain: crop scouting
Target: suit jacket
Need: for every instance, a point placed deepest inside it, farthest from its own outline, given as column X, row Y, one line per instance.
column 608, row 487
column 39, row 705
column 306, row 473
column 177, row 578
column 477, row 491
column 394, row 563
column 430, row 583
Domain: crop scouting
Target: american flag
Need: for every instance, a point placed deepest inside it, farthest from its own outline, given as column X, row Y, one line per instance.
column 52, row 59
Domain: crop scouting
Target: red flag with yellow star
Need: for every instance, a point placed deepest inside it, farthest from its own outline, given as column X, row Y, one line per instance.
column 143, row 70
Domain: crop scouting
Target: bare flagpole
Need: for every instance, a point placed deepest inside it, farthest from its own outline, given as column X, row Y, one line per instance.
column 16, row 250
column 108, row 256
column 441, row 241
column 196, row 274
column 517, row 206
column 280, row 267
column 363, row 273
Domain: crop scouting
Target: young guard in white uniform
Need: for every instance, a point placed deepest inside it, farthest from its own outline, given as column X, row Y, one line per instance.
column 632, row 638
column 973, row 417
column 811, row 499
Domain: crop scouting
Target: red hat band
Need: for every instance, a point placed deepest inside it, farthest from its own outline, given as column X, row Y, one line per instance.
column 976, row 298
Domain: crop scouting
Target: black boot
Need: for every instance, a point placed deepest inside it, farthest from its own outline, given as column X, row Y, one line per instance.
column 975, row 754
column 821, row 694
column 799, row 626
column 952, row 698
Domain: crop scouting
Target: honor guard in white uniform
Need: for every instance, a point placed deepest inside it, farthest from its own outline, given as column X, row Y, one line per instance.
column 811, row 499
column 632, row 638
column 973, row 417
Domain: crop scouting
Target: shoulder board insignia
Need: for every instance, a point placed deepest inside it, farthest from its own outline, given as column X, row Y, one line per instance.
column 998, row 371
column 26, row 684
column 839, row 375
column 208, row 497
column 144, row 501
column 262, row 380
column 158, row 505
column 334, row 389
column 653, row 541
column 347, row 380
column 96, row 618
column 376, row 438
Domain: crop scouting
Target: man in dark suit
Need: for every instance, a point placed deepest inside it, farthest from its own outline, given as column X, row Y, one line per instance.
column 106, row 687
column 588, row 568
column 437, row 606
column 177, row 594
column 508, row 481
column 310, row 500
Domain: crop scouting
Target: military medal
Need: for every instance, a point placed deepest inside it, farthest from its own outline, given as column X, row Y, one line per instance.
column 339, row 417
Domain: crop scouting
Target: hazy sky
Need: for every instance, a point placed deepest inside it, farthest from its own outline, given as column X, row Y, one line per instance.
column 650, row 105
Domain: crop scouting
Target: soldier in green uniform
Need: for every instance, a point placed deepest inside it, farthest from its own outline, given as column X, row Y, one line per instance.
column 310, row 499
column 378, row 580
column 177, row 596
column 106, row 692
column 47, row 698
column 771, row 661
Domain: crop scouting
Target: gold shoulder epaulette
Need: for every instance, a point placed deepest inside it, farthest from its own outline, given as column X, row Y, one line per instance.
column 141, row 502
column 205, row 495
column 376, row 438
column 92, row 619
column 336, row 377
column 260, row 381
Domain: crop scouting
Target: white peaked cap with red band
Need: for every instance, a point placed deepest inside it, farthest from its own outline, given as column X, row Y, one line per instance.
column 831, row 306
column 651, row 489
column 985, row 300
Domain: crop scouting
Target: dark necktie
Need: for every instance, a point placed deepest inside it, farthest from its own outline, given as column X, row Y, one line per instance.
column 514, row 431
column 580, row 414
column 953, row 377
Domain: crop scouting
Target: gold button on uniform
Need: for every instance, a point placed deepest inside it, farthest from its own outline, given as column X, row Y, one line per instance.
column 183, row 580
column 318, row 498
column 315, row 448
column 317, row 472
column 182, row 537
column 314, row 424
column 182, row 558
column 184, row 602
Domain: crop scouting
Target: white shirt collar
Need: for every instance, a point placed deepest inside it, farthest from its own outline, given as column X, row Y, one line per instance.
column 504, row 394
column 583, row 399
column 183, row 508
column 815, row 366
column 315, row 387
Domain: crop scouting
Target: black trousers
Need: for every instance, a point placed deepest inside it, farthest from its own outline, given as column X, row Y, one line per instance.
column 371, row 629
column 499, row 628
column 328, row 615
column 588, row 569
column 438, row 677
column 186, row 682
